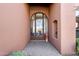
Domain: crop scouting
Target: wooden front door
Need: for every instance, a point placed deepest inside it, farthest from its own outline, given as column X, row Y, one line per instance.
column 39, row 26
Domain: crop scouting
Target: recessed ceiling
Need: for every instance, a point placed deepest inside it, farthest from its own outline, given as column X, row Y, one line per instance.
column 39, row 4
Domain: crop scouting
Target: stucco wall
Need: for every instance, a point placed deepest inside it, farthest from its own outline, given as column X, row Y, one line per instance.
column 14, row 31
column 15, row 26
column 65, row 15
column 76, row 4
column 68, row 32
column 54, row 15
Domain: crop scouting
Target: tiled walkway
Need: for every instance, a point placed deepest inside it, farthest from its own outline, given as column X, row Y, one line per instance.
column 40, row 48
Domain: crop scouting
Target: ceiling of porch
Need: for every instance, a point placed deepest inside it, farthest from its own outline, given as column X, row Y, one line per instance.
column 40, row 4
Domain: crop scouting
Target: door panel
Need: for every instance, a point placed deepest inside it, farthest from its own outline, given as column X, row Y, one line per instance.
column 39, row 26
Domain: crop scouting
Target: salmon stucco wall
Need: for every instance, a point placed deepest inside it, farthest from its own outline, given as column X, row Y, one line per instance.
column 14, row 31
column 54, row 15
column 68, row 35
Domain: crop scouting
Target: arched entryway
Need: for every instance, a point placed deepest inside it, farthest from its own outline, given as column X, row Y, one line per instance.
column 39, row 26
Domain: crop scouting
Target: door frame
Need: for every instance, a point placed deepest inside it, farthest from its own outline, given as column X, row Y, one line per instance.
column 44, row 15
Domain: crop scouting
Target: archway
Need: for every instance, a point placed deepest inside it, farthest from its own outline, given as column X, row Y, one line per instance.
column 39, row 26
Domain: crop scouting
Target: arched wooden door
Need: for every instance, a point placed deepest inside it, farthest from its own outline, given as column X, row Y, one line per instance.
column 39, row 26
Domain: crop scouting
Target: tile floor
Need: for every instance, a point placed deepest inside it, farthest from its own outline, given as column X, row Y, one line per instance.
column 40, row 48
